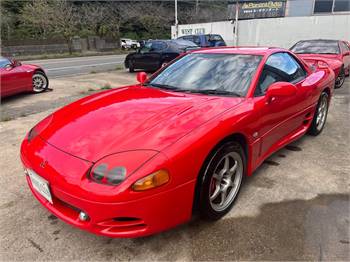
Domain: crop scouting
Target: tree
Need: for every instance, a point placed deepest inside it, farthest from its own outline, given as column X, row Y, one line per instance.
column 64, row 20
column 36, row 15
column 93, row 18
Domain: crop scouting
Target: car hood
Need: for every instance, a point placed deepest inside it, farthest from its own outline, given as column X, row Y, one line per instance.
column 129, row 118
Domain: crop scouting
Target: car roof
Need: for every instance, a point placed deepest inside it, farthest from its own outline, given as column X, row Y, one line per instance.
column 319, row 40
column 182, row 42
column 240, row 50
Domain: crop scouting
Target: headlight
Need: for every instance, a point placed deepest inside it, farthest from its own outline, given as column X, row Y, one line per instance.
column 36, row 130
column 156, row 179
column 114, row 169
column 108, row 175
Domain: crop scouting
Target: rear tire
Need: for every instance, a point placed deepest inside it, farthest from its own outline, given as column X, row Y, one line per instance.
column 222, row 179
column 40, row 82
column 340, row 78
column 320, row 117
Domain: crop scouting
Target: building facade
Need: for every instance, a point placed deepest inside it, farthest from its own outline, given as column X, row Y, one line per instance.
column 254, row 9
column 278, row 22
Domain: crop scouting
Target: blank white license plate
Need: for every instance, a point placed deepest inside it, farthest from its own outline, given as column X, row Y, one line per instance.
column 40, row 185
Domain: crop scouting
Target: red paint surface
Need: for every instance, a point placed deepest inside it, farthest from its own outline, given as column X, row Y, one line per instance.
column 147, row 129
column 17, row 80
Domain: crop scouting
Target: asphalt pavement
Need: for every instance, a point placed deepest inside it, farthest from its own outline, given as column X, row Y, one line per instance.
column 61, row 67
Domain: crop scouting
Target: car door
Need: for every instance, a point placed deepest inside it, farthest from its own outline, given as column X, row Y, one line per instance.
column 10, row 83
column 280, row 116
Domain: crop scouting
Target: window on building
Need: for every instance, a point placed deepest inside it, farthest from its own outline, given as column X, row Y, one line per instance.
column 323, row 6
column 330, row 6
column 341, row 6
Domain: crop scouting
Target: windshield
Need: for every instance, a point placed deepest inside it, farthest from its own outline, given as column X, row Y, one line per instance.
column 4, row 62
column 316, row 47
column 223, row 74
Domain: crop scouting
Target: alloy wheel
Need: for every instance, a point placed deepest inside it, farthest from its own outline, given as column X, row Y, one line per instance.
column 322, row 113
column 226, row 181
column 39, row 83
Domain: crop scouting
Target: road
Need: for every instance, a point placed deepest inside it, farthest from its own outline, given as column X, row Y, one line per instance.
column 79, row 65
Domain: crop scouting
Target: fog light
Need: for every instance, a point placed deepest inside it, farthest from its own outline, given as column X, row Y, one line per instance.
column 83, row 216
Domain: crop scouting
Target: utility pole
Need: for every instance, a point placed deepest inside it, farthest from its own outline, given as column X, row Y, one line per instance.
column 197, row 7
column 236, row 23
column 176, row 21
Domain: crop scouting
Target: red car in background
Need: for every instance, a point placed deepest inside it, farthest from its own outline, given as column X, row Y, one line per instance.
column 335, row 53
column 140, row 159
column 16, row 77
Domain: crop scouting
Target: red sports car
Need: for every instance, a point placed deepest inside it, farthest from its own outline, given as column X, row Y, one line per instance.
column 17, row 77
column 335, row 53
column 140, row 159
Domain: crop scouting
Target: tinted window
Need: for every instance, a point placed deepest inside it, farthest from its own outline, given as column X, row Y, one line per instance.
column 4, row 62
column 316, row 47
column 193, row 38
column 214, row 39
column 158, row 45
column 153, row 46
column 203, row 73
column 341, row 5
column 279, row 67
column 323, row 6
column 188, row 37
column 196, row 40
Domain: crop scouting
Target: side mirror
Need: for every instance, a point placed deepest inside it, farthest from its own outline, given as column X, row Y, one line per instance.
column 15, row 63
column 141, row 77
column 280, row 89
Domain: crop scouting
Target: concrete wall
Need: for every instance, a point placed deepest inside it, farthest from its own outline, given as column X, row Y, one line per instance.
column 281, row 32
column 40, row 47
column 284, row 32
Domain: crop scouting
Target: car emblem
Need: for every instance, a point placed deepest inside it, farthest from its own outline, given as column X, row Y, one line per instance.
column 43, row 164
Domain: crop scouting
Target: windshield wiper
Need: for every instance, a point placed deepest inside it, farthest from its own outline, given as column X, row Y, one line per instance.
column 216, row 92
column 167, row 87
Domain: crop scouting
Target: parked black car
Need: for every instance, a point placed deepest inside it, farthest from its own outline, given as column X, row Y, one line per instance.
column 155, row 53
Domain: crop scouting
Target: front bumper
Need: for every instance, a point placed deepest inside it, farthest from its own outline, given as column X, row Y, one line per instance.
column 112, row 218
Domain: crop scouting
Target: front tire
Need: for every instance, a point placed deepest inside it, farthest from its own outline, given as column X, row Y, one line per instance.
column 131, row 67
column 222, row 180
column 320, row 117
column 40, row 82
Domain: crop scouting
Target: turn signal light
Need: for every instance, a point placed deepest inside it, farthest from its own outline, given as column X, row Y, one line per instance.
column 156, row 179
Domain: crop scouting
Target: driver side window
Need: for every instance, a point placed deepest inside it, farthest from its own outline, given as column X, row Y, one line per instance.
column 279, row 67
column 4, row 62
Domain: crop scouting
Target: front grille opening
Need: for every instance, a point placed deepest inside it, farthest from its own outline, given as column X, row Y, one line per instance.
column 126, row 219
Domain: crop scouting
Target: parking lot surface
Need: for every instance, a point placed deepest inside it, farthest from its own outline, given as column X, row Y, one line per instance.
column 296, row 206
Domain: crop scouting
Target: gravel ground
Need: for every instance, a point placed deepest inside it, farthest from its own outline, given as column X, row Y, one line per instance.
column 295, row 207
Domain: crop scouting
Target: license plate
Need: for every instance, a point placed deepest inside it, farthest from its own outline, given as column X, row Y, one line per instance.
column 40, row 185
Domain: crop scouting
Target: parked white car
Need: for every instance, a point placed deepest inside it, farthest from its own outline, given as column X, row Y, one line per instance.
column 126, row 43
